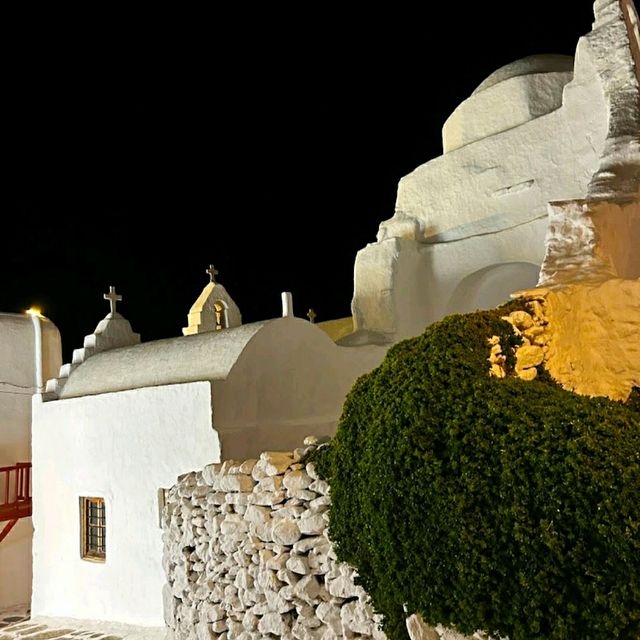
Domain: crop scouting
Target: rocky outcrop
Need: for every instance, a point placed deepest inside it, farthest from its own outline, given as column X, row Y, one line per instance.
column 587, row 336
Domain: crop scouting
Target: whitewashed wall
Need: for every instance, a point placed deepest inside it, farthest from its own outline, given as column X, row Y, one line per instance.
column 290, row 379
column 122, row 447
column 247, row 556
column 17, row 384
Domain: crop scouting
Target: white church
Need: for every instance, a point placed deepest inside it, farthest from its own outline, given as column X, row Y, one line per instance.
column 539, row 180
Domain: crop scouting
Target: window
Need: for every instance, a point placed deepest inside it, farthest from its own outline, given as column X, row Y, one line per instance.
column 92, row 529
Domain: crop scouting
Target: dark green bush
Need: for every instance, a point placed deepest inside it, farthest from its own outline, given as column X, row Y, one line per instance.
column 480, row 503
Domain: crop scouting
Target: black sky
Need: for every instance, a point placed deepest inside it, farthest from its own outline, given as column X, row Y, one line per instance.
column 138, row 152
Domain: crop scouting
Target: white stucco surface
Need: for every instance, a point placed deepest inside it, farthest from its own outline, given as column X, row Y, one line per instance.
column 402, row 286
column 122, row 447
column 17, row 384
column 513, row 95
column 531, row 134
column 205, row 356
column 263, row 386
column 291, row 380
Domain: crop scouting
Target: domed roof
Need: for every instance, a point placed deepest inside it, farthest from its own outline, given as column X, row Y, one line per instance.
column 545, row 63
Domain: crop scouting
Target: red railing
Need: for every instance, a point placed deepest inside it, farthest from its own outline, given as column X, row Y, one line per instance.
column 15, row 491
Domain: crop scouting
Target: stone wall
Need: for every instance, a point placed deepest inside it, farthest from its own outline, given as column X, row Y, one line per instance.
column 247, row 556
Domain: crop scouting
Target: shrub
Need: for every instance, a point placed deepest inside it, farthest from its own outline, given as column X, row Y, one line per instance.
column 485, row 503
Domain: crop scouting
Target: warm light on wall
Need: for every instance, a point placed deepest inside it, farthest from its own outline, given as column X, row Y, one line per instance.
column 34, row 312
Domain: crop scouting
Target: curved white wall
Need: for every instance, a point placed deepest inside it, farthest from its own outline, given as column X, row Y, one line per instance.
column 291, row 380
column 17, row 384
column 491, row 286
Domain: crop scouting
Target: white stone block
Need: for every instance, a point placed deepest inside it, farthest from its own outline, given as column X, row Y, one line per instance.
column 307, row 589
column 305, row 495
column 250, row 621
column 357, row 617
column 296, row 480
column 320, row 486
column 235, row 629
column 263, row 532
column 277, row 462
column 342, row 587
column 320, row 504
column 267, row 579
column 234, row 483
column 257, row 514
column 244, row 580
column 278, row 561
column 298, row 564
column 288, row 577
column 329, row 614
column 288, row 511
column 285, row 531
column 311, row 470
column 267, row 498
column 270, row 483
column 319, row 543
column 275, row 623
column 204, row 631
column 276, row 603
column 311, row 524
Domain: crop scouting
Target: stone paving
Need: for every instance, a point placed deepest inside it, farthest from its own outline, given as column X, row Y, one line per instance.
column 17, row 624
column 13, row 615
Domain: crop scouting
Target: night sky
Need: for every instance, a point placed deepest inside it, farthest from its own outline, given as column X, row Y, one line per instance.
column 138, row 155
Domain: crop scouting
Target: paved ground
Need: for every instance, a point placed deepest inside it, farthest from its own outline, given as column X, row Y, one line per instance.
column 16, row 624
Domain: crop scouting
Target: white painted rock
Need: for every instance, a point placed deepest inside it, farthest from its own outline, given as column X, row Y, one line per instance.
column 298, row 564
column 277, row 462
column 278, row 562
column 250, row 621
column 267, row 498
column 357, row 617
column 274, row 623
column 307, row 589
column 292, row 512
column 329, row 613
column 319, row 543
column 312, row 524
column 296, row 480
column 267, row 579
column 285, row 532
column 342, row 587
column 257, row 514
column 270, row 483
column 276, row 603
column 320, row 486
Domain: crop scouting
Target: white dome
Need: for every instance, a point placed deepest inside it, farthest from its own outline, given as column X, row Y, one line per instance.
column 511, row 96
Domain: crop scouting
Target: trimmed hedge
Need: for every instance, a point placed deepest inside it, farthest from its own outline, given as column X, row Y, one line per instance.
column 502, row 505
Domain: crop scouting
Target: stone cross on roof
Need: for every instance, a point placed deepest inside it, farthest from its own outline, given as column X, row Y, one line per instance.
column 112, row 297
column 312, row 315
column 213, row 272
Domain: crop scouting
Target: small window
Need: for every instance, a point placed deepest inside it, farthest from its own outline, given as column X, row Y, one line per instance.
column 92, row 529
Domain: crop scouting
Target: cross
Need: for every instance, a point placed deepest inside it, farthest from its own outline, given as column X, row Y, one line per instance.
column 213, row 272
column 112, row 297
column 312, row 316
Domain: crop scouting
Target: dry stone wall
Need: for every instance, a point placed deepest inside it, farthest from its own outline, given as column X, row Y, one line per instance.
column 247, row 556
